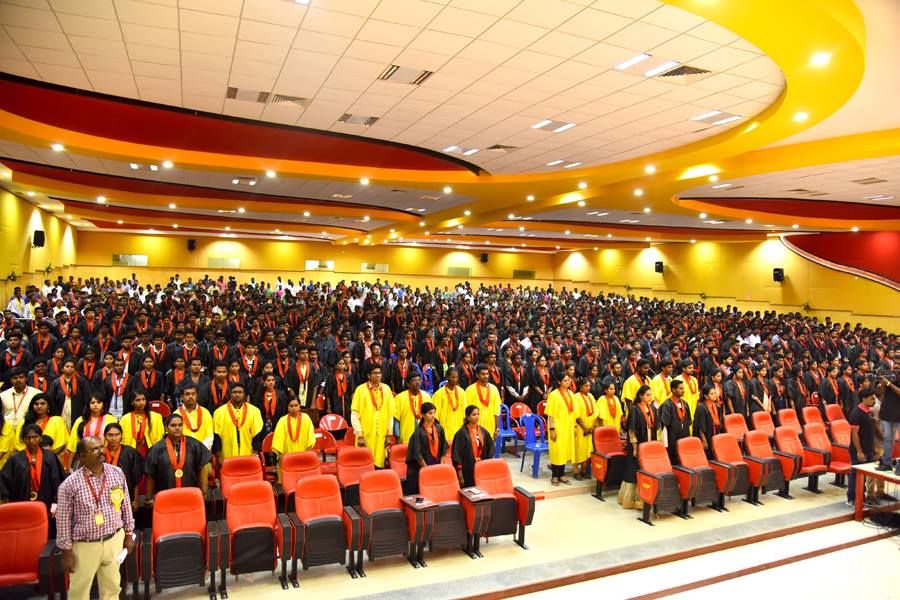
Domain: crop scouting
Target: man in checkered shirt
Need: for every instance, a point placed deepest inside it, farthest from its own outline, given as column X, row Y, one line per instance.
column 94, row 522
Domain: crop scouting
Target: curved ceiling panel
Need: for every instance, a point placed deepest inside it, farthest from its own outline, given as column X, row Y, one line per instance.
column 873, row 255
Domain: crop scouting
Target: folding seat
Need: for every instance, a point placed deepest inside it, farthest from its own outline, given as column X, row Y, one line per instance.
column 736, row 425
column 31, row 559
column 397, row 462
column 834, row 412
column 440, row 485
column 658, row 486
column 294, row 467
column 351, row 464
column 787, row 417
column 388, row 528
column 809, row 462
column 698, row 471
column 181, row 545
column 324, row 529
column 744, row 474
column 607, row 460
column 779, row 468
column 326, row 445
column 252, row 537
column 812, row 414
column 838, row 460
column 512, row 507
column 762, row 421
column 236, row 469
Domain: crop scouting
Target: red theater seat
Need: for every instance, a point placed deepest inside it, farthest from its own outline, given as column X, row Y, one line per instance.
column 812, row 461
column 787, row 417
column 387, row 528
column 841, row 433
column 181, row 546
column 658, row 486
column 711, row 480
column 294, row 467
column 325, row 529
column 736, row 425
column 607, row 459
column 397, row 460
column 440, row 484
column 236, row 469
column 812, row 414
column 775, row 468
column 762, row 421
column 352, row 463
column 838, row 456
column 744, row 478
column 834, row 412
column 512, row 507
column 27, row 560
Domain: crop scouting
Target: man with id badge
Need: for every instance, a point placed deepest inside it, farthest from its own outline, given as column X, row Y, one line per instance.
column 94, row 523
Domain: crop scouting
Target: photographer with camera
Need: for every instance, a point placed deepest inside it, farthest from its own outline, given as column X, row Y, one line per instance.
column 890, row 409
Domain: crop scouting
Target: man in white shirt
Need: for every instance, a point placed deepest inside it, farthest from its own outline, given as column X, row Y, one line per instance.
column 16, row 399
column 17, row 303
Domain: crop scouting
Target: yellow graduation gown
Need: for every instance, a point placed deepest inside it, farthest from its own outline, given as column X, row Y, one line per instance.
column 73, row 436
column 200, row 420
column 607, row 418
column 662, row 389
column 306, row 436
column 152, row 434
column 562, row 451
column 376, row 420
column 691, row 391
column 7, row 442
column 237, row 441
column 55, row 429
column 409, row 415
column 588, row 412
column 487, row 414
column 630, row 388
column 450, row 409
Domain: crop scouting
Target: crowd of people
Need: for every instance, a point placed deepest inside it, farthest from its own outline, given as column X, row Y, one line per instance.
column 431, row 368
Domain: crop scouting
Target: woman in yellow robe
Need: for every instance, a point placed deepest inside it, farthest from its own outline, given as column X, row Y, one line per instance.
column 294, row 432
column 141, row 429
column 372, row 415
column 52, row 426
column 450, row 401
column 612, row 411
column 93, row 422
column 584, row 432
column 562, row 413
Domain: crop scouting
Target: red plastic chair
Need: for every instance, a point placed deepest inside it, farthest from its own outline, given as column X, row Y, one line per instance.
column 811, row 414
column 762, row 421
column 158, row 406
column 838, row 456
column 658, row 484
column 736, row 425
column 325, row 445
column 397, row 459
column 352, row 463
column 334, row 422
column 746, row 474
column 512, row 507
column 780, row 466
column 516, row 412
column 834, row 412
column 181, row 546
column 812, row 461
column 294, row 467
column 268, row 459
column 787, row 417
column 607, row 460
column 27, row 559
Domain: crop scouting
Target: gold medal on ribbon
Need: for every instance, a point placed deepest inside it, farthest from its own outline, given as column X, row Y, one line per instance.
column 116, row 496
column 179, row 473
column 98, row 519
column 33, row 496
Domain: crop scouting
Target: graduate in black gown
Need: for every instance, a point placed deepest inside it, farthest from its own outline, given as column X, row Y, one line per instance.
column 427, row 446
column 126, row 458
column 471, row 444
column 642, row 426
column 34, row 474
column 175, row 459
column 675, row 420
column 709, row 420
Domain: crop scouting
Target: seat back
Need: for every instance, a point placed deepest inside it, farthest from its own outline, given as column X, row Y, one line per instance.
column 325, row 442
column 439, row 483
column 317, row 496
column 757, row 444
column 493, row 476
column 654, row 458
column 787, row 417
column 840, row 432
column 23, row 529
column 266, row 447
column 788, row 441
column 297, row 465
column 817, row 437
column 518, row 409
column 397, row 459
column 352, row 463
column 541, row 407
column 534, row 429
column 691, row 454
column 762, row 421
column 250, row 504
column 736, row 425
column 834, row 412
column 178, row 511
column 238, row 469
column 725, row 448
column 811, row 414
column 379, row 490
column 606, row 440
column 158, row 406
column 333, row 422
column 505, row 424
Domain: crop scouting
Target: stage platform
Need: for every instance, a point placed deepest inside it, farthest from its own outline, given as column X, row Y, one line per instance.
column 574, row 538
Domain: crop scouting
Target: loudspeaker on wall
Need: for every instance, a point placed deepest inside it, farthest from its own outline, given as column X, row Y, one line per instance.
column 483, row 257
column 191, row 244
column 38, row 240
column 778, row 274
column 658, row 267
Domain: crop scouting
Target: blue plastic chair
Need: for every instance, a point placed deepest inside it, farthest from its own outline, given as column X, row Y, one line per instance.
column 506, row 433
column 534, row 441
column 428, row 379
column 443, row 383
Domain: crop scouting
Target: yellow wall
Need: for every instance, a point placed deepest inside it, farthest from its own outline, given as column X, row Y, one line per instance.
column 19, row 221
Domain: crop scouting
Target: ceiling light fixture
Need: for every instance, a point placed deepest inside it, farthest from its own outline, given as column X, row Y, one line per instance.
column 364, row 181
column 649, row 169
column 227, row 228
column 854, row 229
column 271, row 174
column 721, row 186
column 557, row 247
column 820, row 59
column 421, row 223
column 571, row 165
column 568, row 232
column 564, row 127
column 582, row 185
column 706, row 115
column 521, row 228
column 241, row 209
column 727, row 120
column 448, row 189
column 470, row 152
column 100, row 199
column 609, row 235
column 235, row 181
column 511, row 216
column 647, row 210
column 693, row 241
column 154, row 168
column 58, row 147
column 713, row 178
column 530, row 198
column 167, row 164
column 702, row 215
column 553, row 163
column 365, row 218
column 543, row 123
column 451, row 148
column 174, row 225
column 638, row 192
column 632, row 61
column 306, row 214
column 172, row 205
column 795, row 226
column 120, row 221
column 30, row 194
column 801, row 116
column 662, row 68
column 134, row 166
column 582, row 203
column 748, row 221
column 647, row 239
column 468, row 213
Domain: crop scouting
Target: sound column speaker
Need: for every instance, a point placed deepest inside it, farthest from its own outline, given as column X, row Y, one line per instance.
column 38, row 240
column 658, row 267
column 778, row 274
column 483, row 257
column 191, row 244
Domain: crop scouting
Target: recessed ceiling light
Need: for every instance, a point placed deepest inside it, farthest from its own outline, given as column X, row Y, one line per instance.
column 582, row 185
column 241, row 209
column 638, row 192
column 609, row 235
column 706, row 115
column 511, row 216
column 795, row 226
column 557, row 247
column 459, row 226
column 543, row 123
column 564, row 127
column 571, row 165
column 487, row 242
column 647, row 238
column 748, row 221
column 702, row 215
column 427, row 233
column 251, row 182
column 596, row 248
column 421, row 223
column 172, row 205
column 523, row 244
column 553, row 163
column 448, row 189
column 879, row 197
column 306, row 214
column 120, row 221
column 647, row 210
column 470, row 152
column 820, row 59
column 167, row 164
column 365, row 218
column 662, row 68
column 727, row 120
column 649, row 169
column 521, row 228
column 277, row 231
column 303, row 2
column 801, row 116
column 58, row 147
column 568, row 232
column 530, row 198
column 101, row 199
column 721, row 186
column 713, row 178
column 227, row 228
column 174, row 225
column 451, row 148
column 154, row 168
column 235, row 181
column 467, row 212
column 30, row 194
column 271, row 174
column 582, row 203
column 854, row 229
column 134, row 166
column 364, row 181
column 693, row 241
column 631, row 62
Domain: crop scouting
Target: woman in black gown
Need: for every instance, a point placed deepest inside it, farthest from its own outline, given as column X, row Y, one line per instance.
column 642, row 427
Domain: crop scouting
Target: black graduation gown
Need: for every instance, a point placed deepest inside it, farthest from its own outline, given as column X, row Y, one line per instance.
column 703, row 423
column 420, row 448
column 132, row 465
column 80, row 398
column 536, row 388
column 337, row 403
column 280, row 409
column 637, row 426
column 675, row 428
column 738, row 401
column 15, row 478
column 462, row 453
column 158, row 467
column 758, row 388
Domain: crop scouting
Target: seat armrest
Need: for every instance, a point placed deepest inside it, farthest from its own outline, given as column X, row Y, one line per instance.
column 725, row 476
column 224, row 544
column 790, row 463
column 477, row 510
column 360, row 524
column 299, row 534
column 280, row 502
column 688, row 481
column 648, row 486
column 840, row 453
column 287, row 531
column 525, row 502
column 147, row 552
column 758, row 469
column 47, row 567
column 816, row 456
column 419, row 517
column 218, row 502
column 212, row 546
column 132, row 562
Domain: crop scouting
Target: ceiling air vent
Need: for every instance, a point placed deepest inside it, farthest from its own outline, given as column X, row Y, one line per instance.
column 869, row 181
column 283, row 99
column 407, row 75
column 684, row 70
column 501, row 148
column 234, row 93
column 358, row 119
